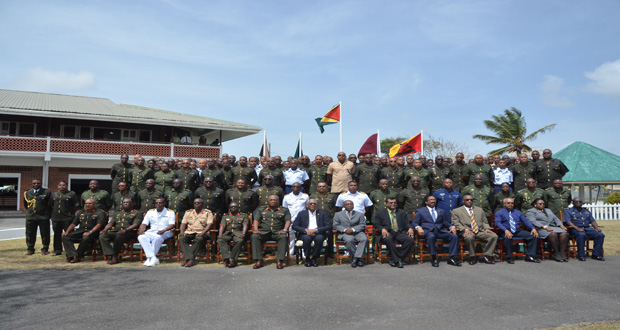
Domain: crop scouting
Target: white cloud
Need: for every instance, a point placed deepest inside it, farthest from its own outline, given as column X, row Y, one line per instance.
column 42, row 80
column 552, row 88
column 605, row 79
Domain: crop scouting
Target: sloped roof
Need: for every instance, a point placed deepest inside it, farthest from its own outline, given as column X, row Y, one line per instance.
column 100, row 109
column 588, row 163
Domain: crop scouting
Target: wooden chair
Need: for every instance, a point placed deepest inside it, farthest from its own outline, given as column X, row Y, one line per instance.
column 247, row 244
column 420, row 243
column 207, row 256
column 299, row 247
column 168, row 252
column 381, row 252
column 340, row 246
column 93, row 250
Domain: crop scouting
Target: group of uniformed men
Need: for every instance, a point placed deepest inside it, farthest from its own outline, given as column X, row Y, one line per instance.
column 268, row 197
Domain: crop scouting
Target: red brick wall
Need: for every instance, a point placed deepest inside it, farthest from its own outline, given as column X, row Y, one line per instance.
column 28, row 174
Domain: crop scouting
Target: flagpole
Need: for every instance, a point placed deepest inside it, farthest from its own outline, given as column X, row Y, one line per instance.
column 300, row 152
column 422, row 139
column 264, row 143
column 378, row 145
column 340, row 104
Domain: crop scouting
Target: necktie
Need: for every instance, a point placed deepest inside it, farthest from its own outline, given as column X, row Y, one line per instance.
column 513, row 225
column 394, row 222
column 434, row 215
column 474, row 225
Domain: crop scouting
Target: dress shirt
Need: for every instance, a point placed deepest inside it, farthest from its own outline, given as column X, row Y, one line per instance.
column 502, row 175
column 295, row 203
column 186, row 140
column 312, row 222
column 298, row 175
column 360, row 200
column 502, row 219
column 159, row 220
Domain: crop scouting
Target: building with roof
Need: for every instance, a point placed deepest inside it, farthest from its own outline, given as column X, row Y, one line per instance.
column 594, row 172
column 75, row 138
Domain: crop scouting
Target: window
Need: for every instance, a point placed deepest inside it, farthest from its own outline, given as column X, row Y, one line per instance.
column 145, row 136
column 17, row 128
column 27, row 129
column 130, row 135
column 68, row 132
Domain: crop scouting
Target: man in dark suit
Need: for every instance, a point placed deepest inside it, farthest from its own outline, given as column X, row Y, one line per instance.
column 394, row 227
column 432, row 223
column 312, row 225
column 351, row 226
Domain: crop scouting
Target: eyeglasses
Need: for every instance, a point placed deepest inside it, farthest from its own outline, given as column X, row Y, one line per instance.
column 468, row 199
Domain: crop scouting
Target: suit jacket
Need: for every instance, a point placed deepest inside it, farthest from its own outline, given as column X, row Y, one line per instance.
column 539, row 219
column 342, row 222
column 462, row 221
column 382, row 221
column 302, row 221
column 424, row 219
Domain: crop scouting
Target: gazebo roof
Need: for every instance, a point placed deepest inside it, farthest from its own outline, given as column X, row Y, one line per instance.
column 588, row 163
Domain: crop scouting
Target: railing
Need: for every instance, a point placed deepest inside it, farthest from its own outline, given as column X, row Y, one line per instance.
column 54, row 146
column 604, row 212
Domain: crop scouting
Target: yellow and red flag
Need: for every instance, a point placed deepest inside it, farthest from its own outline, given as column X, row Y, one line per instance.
column 407, row 147
column 332, row 117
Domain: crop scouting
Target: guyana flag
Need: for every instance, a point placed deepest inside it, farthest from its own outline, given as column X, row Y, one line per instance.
column 407, row 147
column 332, row 117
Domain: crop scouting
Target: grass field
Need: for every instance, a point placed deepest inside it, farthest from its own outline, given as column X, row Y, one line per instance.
column 12, row 254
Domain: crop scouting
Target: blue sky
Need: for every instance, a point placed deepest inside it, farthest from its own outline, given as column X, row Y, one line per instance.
column 397, row 66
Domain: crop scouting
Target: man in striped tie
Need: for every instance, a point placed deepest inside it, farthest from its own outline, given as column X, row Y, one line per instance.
column 508, row 220
column 472, row 224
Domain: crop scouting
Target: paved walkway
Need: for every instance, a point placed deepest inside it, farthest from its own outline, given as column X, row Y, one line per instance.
column 501, row 296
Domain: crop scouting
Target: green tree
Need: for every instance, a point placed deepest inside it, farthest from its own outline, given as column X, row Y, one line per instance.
column 510, row 130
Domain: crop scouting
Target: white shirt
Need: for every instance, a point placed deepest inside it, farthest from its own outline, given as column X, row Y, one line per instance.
column 502, row 175
column 257, row 169
column 159, row 220
column 312, row 223
column 295, row 203
column 292, row 176
column 186, row 139
column 360, row 200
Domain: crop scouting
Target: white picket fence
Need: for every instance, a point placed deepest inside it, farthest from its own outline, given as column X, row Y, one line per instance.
column 604, row 212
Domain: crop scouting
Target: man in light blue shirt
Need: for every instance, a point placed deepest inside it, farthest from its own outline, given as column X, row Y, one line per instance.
column 294, row 174
column 502, row 175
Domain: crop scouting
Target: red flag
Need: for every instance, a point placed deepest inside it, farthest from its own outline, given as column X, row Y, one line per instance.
column 407, row 147
column 369, row 147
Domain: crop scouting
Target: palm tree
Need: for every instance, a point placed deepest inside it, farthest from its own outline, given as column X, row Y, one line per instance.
column 510, row 129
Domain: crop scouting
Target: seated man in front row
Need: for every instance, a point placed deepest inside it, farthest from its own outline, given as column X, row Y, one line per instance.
column 195, row 227
column 162, row 221
column 121, row 228
column 394, row 227
column 271, row 223
column 433, row 223
column 84, row 229
column 473, row 225
column 233, row 226
column 578, row 220
column 312, row 225
column 509, row 221
column 351, row 226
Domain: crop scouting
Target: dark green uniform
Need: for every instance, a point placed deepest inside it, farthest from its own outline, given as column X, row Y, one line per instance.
column 456, row 174
column 163, row 181
column 245, row 173
column 437, row 174
column 423, row 174
column 379, row 200
column 227, row 177
column 316, row 174
column 63, row 210
column 395, row 178
column 103, row 200
column 367, row 177
column 38, row 213
column 190, row 178
column 271, row 221
column 213, row 200
column 525, row 197
column 498, row 200
column 120, row 173
column 412, row 199
column 247, row 200
column 216, row 174
column 278, row 176
column 548, row 171
column 263, row 194
column 179, row 202
column 485, row 170
column 146, row 199
column 483, row 197
column 120, row 221
column 521, row 173
column 84, row 221
column 139, row 177
column 117, row 198
column 233, row 230
column 557, row 201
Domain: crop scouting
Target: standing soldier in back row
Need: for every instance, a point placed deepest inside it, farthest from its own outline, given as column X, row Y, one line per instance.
column 368, row 175
column 103, row 200
column 456, row 172
column 37, row 202
column 521, row 172
column 64, row 204
column 549, row 169
column 121, row 172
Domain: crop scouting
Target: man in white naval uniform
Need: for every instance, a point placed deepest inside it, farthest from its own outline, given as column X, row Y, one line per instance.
column 162, row 221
